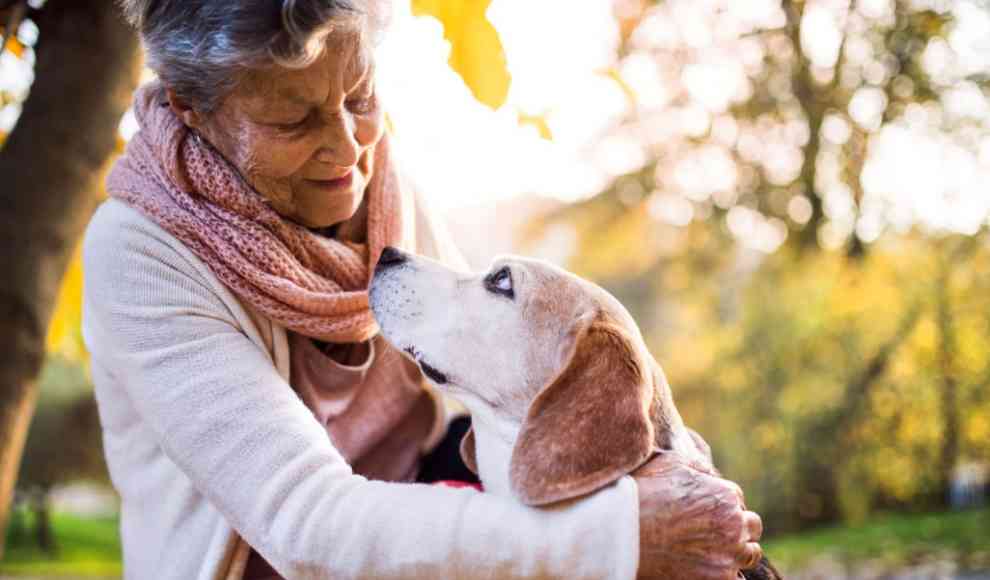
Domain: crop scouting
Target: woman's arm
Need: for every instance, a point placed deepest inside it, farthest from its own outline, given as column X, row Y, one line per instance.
column 222, row 413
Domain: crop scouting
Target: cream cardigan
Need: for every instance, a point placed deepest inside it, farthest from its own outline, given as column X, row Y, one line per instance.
column 211, row 450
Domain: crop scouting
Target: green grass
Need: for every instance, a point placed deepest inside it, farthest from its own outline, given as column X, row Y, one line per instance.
column 895, row 540
column 87, row 547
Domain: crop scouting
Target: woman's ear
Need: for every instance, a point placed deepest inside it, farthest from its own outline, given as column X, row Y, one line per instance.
column 183, row 110
column 591, row 425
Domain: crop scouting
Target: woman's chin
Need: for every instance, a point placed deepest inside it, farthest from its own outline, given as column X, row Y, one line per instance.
column 328, row 208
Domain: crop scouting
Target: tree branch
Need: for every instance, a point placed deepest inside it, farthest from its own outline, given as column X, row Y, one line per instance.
column 87, row 68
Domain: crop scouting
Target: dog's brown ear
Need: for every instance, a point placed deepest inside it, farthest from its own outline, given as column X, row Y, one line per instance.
column 589, row 426
column 468, row 454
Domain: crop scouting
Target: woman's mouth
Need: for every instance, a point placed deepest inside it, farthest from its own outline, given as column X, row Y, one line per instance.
column 342, row 182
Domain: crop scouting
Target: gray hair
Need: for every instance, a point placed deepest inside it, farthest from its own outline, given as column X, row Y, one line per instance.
column 201, row 48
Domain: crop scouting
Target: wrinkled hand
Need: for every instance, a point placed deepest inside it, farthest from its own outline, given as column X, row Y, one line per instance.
column 693, row 524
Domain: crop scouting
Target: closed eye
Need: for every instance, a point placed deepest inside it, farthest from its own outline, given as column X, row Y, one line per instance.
column 294, row 125
column 500, row 282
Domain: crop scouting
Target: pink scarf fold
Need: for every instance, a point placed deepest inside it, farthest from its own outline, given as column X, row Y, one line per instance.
column 311, row 284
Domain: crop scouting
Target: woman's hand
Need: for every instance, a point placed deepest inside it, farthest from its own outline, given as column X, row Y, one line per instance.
column 693, row 525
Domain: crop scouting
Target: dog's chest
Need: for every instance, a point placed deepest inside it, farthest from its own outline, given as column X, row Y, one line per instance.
column 494, row 458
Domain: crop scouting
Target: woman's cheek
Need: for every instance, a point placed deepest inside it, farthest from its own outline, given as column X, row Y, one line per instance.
column 270, row 166
column 369, row 128
column 287, row 158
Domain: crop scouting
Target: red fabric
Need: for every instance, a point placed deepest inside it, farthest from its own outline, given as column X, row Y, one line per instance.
column 459, row 484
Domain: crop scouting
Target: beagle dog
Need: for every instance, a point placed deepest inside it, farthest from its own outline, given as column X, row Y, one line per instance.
column 563, row 394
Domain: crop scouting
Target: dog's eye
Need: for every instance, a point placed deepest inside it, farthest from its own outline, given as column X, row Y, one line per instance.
column 500, row 282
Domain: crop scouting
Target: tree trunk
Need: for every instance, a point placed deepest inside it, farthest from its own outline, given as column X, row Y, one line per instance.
column 816, row 99
column 44, row 534
column 948, row 397
column 808, row 94
column 51, row 168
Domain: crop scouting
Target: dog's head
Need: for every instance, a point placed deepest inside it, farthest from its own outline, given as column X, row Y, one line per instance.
column 536, row 346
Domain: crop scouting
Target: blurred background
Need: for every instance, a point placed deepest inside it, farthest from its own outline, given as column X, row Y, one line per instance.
column 791, row 198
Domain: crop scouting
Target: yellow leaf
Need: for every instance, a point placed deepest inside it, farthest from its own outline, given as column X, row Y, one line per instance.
column 15, row 47
column 537, row 121
column 630, row 93
column 978, row 429
column 475, row 49
column 629, row 14
column 65, row 329
column 389, row 125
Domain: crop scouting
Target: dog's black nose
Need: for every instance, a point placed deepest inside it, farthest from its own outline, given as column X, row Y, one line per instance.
column 390, row 257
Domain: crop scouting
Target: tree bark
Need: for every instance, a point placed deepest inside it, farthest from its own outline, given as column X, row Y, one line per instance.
column 948, row 348
column 948, row 396
column 808, row 94
column 51, row 166
column 44, row 533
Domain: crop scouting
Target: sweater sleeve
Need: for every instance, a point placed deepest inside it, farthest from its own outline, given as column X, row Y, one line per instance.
column 220, row 411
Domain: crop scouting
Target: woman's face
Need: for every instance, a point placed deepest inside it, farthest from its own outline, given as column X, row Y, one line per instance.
column 303, row 138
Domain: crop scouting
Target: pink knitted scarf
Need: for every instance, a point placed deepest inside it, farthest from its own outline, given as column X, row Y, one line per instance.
column 311, row 284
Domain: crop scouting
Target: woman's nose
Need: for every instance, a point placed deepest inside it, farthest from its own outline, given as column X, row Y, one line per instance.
column 340, row 146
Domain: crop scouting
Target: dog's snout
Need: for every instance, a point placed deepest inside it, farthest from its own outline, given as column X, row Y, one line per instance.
column 390, row 257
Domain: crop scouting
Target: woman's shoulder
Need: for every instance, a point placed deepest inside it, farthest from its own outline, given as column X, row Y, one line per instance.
column 123, row 250
column 117, row 228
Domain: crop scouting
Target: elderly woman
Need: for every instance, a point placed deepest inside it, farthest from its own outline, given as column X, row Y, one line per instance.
column 255, row 423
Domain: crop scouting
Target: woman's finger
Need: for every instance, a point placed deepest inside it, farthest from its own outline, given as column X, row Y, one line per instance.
column 750, row 556
column 737, row 491
column 754, row 526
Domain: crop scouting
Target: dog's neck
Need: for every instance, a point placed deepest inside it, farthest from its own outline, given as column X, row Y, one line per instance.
column 494, row 438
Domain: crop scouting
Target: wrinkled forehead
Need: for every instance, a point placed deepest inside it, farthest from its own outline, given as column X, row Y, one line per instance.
column 346, row 61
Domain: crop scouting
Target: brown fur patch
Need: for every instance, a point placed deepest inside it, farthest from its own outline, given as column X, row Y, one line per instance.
column 591, row 424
